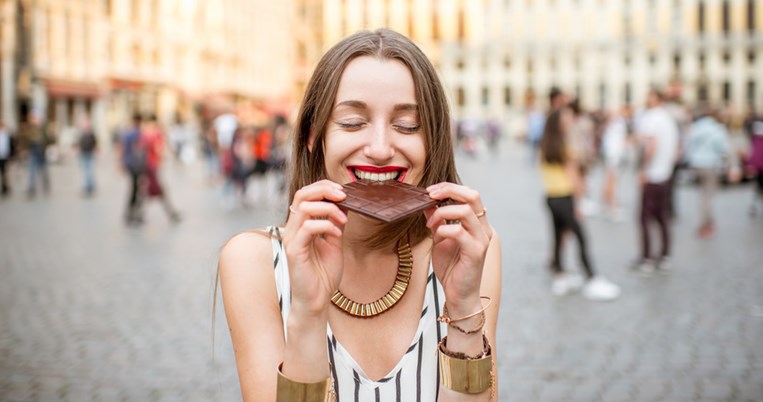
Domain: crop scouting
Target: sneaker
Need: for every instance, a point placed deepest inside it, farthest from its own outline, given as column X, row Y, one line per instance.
column 645, row 267
column 563, row 284
column 589, row 207
column 664, row 265
column 600, row 289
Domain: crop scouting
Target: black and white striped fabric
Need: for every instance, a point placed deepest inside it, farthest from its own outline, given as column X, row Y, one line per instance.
column 415, row 378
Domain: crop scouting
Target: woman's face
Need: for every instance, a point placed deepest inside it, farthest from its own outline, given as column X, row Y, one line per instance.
column 374, row 131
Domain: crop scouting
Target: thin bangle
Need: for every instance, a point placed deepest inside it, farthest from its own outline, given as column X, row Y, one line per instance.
column 444, row 317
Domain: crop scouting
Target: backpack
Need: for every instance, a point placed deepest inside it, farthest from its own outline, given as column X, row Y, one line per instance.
column 87, row 142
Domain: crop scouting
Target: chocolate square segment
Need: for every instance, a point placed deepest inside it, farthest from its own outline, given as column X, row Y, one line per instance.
column 387, row 201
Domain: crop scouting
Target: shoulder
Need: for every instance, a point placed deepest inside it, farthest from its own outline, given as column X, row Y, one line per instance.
column 245, row 255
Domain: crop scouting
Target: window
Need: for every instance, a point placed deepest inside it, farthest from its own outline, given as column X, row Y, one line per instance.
column 507, row 96
column 726, row 57
column 751, row 94
column 627, row 93
column 702, row 93
column 460, row 64
column 485, row 96
column 726, row 91
column 701, row 16
column 751, row 16
column 652, row 59
column 726, row 20
column 460, row 97
column 676, row 62
column 529, row 67
column 506, row 62
column 461, row 24
column 751, row 57
column 702, row 62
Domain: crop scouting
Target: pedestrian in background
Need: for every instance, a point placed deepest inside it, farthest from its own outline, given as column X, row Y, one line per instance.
column 535, row 121
column 562, row 183
column 133, row 162
column 35, row 140
column 755, row 162
column 87, row 145
column 6, row 153
column 706, row 149
column 152, row 140
column 582, row 144
column 658, row 141
column 613, row 147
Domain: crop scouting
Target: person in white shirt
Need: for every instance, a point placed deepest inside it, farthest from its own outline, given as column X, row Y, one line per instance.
column 658, row 139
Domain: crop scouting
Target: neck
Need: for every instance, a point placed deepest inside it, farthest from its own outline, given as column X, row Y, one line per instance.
column 356, row 250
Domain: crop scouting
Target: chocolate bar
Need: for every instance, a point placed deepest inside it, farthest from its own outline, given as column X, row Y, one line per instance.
column 387, row 201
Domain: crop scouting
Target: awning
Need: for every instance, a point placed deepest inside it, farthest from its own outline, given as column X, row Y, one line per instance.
column 72, row 89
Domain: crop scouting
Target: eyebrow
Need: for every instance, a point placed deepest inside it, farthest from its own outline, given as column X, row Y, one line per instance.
column 356, row 104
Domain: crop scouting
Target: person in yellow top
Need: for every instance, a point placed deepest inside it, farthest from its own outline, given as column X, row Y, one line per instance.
column 562, row 185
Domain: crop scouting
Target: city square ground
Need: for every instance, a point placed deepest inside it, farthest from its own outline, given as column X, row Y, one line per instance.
column 92, row 310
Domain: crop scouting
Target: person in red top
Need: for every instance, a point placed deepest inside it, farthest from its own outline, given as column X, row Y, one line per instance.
column 152, row 141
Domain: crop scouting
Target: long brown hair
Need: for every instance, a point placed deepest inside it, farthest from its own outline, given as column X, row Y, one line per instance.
column 552, row 144
column 308, row 166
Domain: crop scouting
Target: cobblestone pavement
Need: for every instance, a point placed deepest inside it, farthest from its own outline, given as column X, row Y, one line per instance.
column 93, row 310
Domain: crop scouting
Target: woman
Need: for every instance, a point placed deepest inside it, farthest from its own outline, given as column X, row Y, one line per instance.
column 374, row 104
column 562, row 184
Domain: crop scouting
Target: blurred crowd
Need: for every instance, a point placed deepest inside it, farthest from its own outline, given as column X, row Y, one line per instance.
column 239, row 147
column 666, row 141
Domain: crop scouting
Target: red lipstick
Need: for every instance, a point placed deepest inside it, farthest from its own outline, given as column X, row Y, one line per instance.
column 378, row 169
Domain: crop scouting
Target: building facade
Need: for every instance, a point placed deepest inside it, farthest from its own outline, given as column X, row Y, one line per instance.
column 108, row 59
column 492, row 53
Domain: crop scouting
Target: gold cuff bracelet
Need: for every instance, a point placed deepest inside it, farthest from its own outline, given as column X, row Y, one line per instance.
column 467, row 376
column 293, row 391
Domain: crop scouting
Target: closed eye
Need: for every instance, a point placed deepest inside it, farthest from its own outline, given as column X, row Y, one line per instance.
column 407, row 129
column 350, row 126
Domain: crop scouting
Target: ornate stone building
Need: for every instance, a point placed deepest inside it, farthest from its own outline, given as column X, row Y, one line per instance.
column 111, row 58
column 491, row 53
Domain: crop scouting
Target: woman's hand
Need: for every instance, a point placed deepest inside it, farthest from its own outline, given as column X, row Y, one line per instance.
column 459, row 249
column 313, row 245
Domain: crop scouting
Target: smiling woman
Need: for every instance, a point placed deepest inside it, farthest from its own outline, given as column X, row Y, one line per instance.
column 374, row 110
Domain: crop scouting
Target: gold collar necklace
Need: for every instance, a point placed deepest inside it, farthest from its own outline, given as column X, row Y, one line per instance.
column 368, row 310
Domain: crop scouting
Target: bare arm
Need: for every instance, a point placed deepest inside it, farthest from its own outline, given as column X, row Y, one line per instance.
column 489, row 286
column 251, row 307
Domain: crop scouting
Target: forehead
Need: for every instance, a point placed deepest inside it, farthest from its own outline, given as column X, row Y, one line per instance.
column 376, row 81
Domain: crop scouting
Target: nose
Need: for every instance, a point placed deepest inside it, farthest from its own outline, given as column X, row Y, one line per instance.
column 379, row 147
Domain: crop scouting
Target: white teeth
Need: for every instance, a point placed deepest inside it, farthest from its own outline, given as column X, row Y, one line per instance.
column 376, row 176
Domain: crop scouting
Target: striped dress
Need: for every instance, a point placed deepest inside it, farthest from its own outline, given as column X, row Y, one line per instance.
column 415, row 378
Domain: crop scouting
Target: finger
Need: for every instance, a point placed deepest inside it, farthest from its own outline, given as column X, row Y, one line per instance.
column 459, row 212
column 457, row 192
column 320, row 210
column 468, row 245
column 324, row 189
column 309, row 230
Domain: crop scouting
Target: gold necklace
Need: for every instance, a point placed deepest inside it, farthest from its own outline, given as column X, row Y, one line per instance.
column 384, row 303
